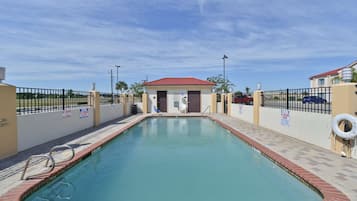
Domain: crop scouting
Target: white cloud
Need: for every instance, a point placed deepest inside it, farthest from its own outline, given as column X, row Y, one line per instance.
column 62, row 40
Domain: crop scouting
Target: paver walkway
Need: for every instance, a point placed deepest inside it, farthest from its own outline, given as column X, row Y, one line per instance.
column 339, row 172
column 334, row 169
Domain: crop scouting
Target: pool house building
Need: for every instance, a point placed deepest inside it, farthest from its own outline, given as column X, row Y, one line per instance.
column 174, row 95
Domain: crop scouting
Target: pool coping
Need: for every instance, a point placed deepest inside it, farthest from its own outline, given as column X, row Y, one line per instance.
column 326, row 190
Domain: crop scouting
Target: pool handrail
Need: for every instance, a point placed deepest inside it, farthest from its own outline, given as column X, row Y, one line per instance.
column 48, row 157
column 59, row 147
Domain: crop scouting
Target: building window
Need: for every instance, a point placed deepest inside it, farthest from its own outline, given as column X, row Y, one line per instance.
column 321, row 82
column 336, row 80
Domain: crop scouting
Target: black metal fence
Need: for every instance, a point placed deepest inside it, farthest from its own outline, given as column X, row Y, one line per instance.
column 37, row 100
column 109, row 98
column 316, row 100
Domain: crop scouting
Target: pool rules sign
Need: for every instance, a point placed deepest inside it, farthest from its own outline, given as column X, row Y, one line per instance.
column 83, row 113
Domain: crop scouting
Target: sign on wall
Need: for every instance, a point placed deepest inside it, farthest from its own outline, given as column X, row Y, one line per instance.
column 83, row 113
column 67, row 113
column 240, row 108
column 285, row 117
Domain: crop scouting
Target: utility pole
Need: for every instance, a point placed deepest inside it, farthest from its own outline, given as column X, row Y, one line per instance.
column 111, row 84
column 117, row 78
column 224, row 68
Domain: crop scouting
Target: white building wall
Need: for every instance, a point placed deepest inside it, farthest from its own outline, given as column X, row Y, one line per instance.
column 310, row 127
column 243, row 112
column 36, row 129
column 110, row 112
column 139, row 106
column 205, row 100
column 219, row 107
column 152, row 100
column 177, row 95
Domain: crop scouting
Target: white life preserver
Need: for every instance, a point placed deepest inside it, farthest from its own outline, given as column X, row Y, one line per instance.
column 336, row 129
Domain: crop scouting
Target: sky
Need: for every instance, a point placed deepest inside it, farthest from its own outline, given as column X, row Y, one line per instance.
column 73, row 43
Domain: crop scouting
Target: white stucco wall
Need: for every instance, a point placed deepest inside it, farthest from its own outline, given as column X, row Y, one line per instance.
column 243, row 112
column 151, row 100
column 310, row 127
column 172, row 96
column 37, row 129
column 177, row 95
column 205, row 100
column 219, row 107
column 110, row 112
column 139, row 105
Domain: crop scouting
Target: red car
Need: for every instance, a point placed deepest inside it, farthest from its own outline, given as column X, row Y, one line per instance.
column 248, row 100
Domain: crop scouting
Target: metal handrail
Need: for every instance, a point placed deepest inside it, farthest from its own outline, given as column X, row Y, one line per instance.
column 48, row 157
column 209, row 111
column 53, row 149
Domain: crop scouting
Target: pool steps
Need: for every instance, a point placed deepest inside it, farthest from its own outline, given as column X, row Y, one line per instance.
column 49, row 158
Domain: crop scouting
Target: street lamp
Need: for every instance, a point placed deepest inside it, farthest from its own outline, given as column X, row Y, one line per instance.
column 224, row 69
column 111, row 84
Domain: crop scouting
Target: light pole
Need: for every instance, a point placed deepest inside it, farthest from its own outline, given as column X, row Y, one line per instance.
column 224, row 69
column 117, row 78
column 111, row 84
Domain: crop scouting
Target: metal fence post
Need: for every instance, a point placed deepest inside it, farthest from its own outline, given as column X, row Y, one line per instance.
column 287, row 99
column 63, row 99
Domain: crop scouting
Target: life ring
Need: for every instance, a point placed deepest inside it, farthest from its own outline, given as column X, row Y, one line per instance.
column 336, row 129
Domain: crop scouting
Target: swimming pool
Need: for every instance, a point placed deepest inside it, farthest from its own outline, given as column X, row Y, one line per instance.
column 176, row 159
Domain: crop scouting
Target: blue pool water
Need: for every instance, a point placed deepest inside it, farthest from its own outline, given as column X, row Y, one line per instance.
column 176, row 159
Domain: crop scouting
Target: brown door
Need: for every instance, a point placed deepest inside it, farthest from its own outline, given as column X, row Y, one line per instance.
column 194, row 101
column 162, row 101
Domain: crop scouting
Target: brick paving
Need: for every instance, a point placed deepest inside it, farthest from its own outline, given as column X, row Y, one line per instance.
column 330, row 167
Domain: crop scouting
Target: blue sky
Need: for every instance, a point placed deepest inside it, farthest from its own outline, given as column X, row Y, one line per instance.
column 72, row 44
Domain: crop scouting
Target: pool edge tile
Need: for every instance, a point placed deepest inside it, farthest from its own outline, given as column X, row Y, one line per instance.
column 328, row 192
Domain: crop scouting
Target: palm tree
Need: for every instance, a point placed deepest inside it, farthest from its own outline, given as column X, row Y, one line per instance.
column 121, row 86
column 137, row 88
column 221, row 84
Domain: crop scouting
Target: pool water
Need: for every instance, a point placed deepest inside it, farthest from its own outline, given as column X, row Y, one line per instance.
column 176, row 159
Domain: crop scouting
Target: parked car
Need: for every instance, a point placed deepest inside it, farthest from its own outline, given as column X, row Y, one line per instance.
column 248, row 100
column 313, row 99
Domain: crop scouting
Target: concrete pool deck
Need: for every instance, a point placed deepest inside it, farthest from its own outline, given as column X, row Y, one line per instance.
column 335, row 170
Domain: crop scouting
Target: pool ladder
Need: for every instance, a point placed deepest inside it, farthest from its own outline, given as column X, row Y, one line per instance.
column 49, row 158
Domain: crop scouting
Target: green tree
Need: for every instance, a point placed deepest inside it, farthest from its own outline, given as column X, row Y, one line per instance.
column 121, row 86
column 70, row 93
column 238, row 93
column 221, row 84
column 137, row 88
column 354, row 75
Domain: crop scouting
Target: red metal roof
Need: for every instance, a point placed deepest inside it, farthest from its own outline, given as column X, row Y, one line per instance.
column 331, row 72
column 178, row 81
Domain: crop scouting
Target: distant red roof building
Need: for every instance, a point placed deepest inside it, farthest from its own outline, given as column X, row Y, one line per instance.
column 333, row 72
column 178, row 81
column 328, row 73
